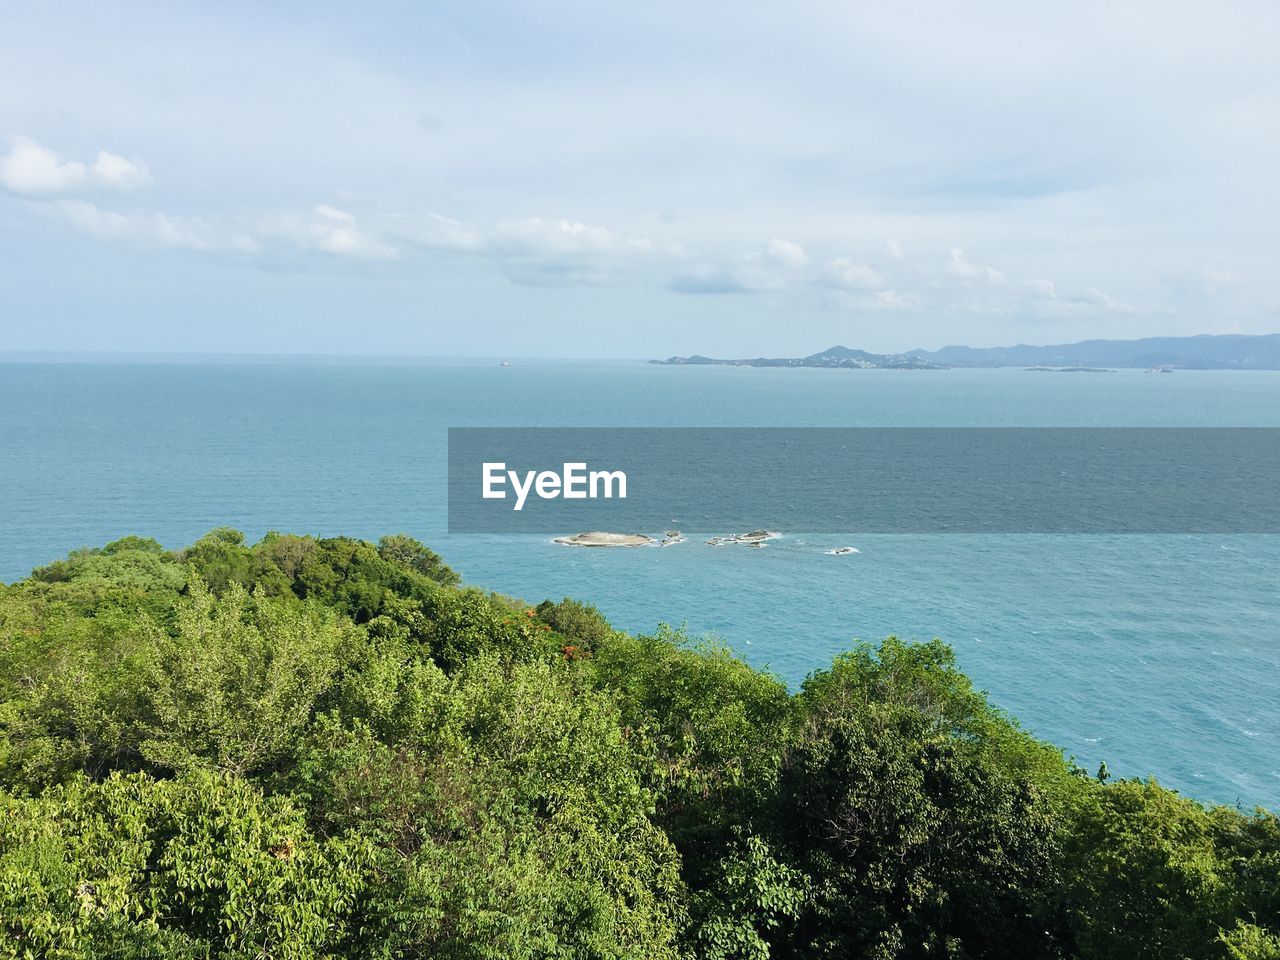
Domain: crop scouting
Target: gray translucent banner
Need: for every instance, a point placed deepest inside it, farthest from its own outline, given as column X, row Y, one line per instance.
column 833, row 480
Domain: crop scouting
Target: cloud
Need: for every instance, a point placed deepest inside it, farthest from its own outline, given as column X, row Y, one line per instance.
column 154, row 229
column 533, row 251
column 534, row 235
column 550, row 273
column 1108, row 159
column 949, row 284
column 541, row 251
column 786, row 253
column 709, row 279
column 115, row 171
column 1045, row 288
column 544, row 251
column 434, row 232
column 958, row 266
column 333, row 213
column 326, row 229
column 29, row 168
column 1091, row 297
column 892, row 300
column 32, row 170
column 850, row 274
column 885, row 300
column 771, row 268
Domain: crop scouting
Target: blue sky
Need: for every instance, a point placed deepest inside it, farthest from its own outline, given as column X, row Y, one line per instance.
column 585, row 179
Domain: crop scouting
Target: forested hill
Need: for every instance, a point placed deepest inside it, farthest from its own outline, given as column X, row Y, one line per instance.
column 328, row 748
column 832, row 358
column 1206, row 352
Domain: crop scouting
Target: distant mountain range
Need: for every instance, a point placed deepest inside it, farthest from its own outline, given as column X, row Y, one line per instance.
column 834, row 357
column 1205, row 352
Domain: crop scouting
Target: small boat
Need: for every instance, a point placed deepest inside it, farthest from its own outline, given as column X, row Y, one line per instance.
column 505, row 363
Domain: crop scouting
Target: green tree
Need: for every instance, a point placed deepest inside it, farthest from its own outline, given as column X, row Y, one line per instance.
column 1153, row 874
column 918, row 841
column 220, row 558
column 238, row 680
column 324, row 748
column 404, row 551
column 197, row 867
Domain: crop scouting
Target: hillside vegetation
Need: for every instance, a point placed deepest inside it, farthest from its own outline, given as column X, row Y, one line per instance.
column 328, row 748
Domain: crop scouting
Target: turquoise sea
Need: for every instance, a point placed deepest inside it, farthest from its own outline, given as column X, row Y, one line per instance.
column 1157, row 654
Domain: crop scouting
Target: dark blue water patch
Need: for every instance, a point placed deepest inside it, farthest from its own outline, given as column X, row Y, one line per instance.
column 866, row 479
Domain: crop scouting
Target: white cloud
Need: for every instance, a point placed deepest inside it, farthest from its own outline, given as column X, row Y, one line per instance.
column 326, row 229
column 1091, row 297
column 156, row 229
column 560, row 252
column 1045, row 288
column 958, row 266
column 32, row 170
column 771, row 268
column 892, row 300
column 112, row 170
column 29, row 168
column 534, row 251
column 327, row 212
column 434, row 232
column 533, row 238
column 894, row 249
column 537, row 235
column 786, row 253
column 853, row 275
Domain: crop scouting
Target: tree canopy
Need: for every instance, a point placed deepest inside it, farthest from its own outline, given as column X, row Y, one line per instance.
column 328, row 748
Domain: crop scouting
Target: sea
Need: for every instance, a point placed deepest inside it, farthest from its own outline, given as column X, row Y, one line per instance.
column 1159, row 655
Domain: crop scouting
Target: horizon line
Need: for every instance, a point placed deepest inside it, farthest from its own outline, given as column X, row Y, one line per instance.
column 260, row 356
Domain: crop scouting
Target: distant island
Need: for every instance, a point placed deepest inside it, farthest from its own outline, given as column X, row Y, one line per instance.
column 841, row 357
column 1204, row 352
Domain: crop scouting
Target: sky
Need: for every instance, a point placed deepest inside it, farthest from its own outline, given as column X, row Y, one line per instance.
column 607, row 180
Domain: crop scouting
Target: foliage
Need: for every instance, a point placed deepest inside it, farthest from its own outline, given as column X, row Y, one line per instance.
column 750, row 898
column 180, row 868
column 327, row 748
column 1249, row 942
column 1153, row 874
column 404, row 551
column 580, row 623
column 920, row 841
